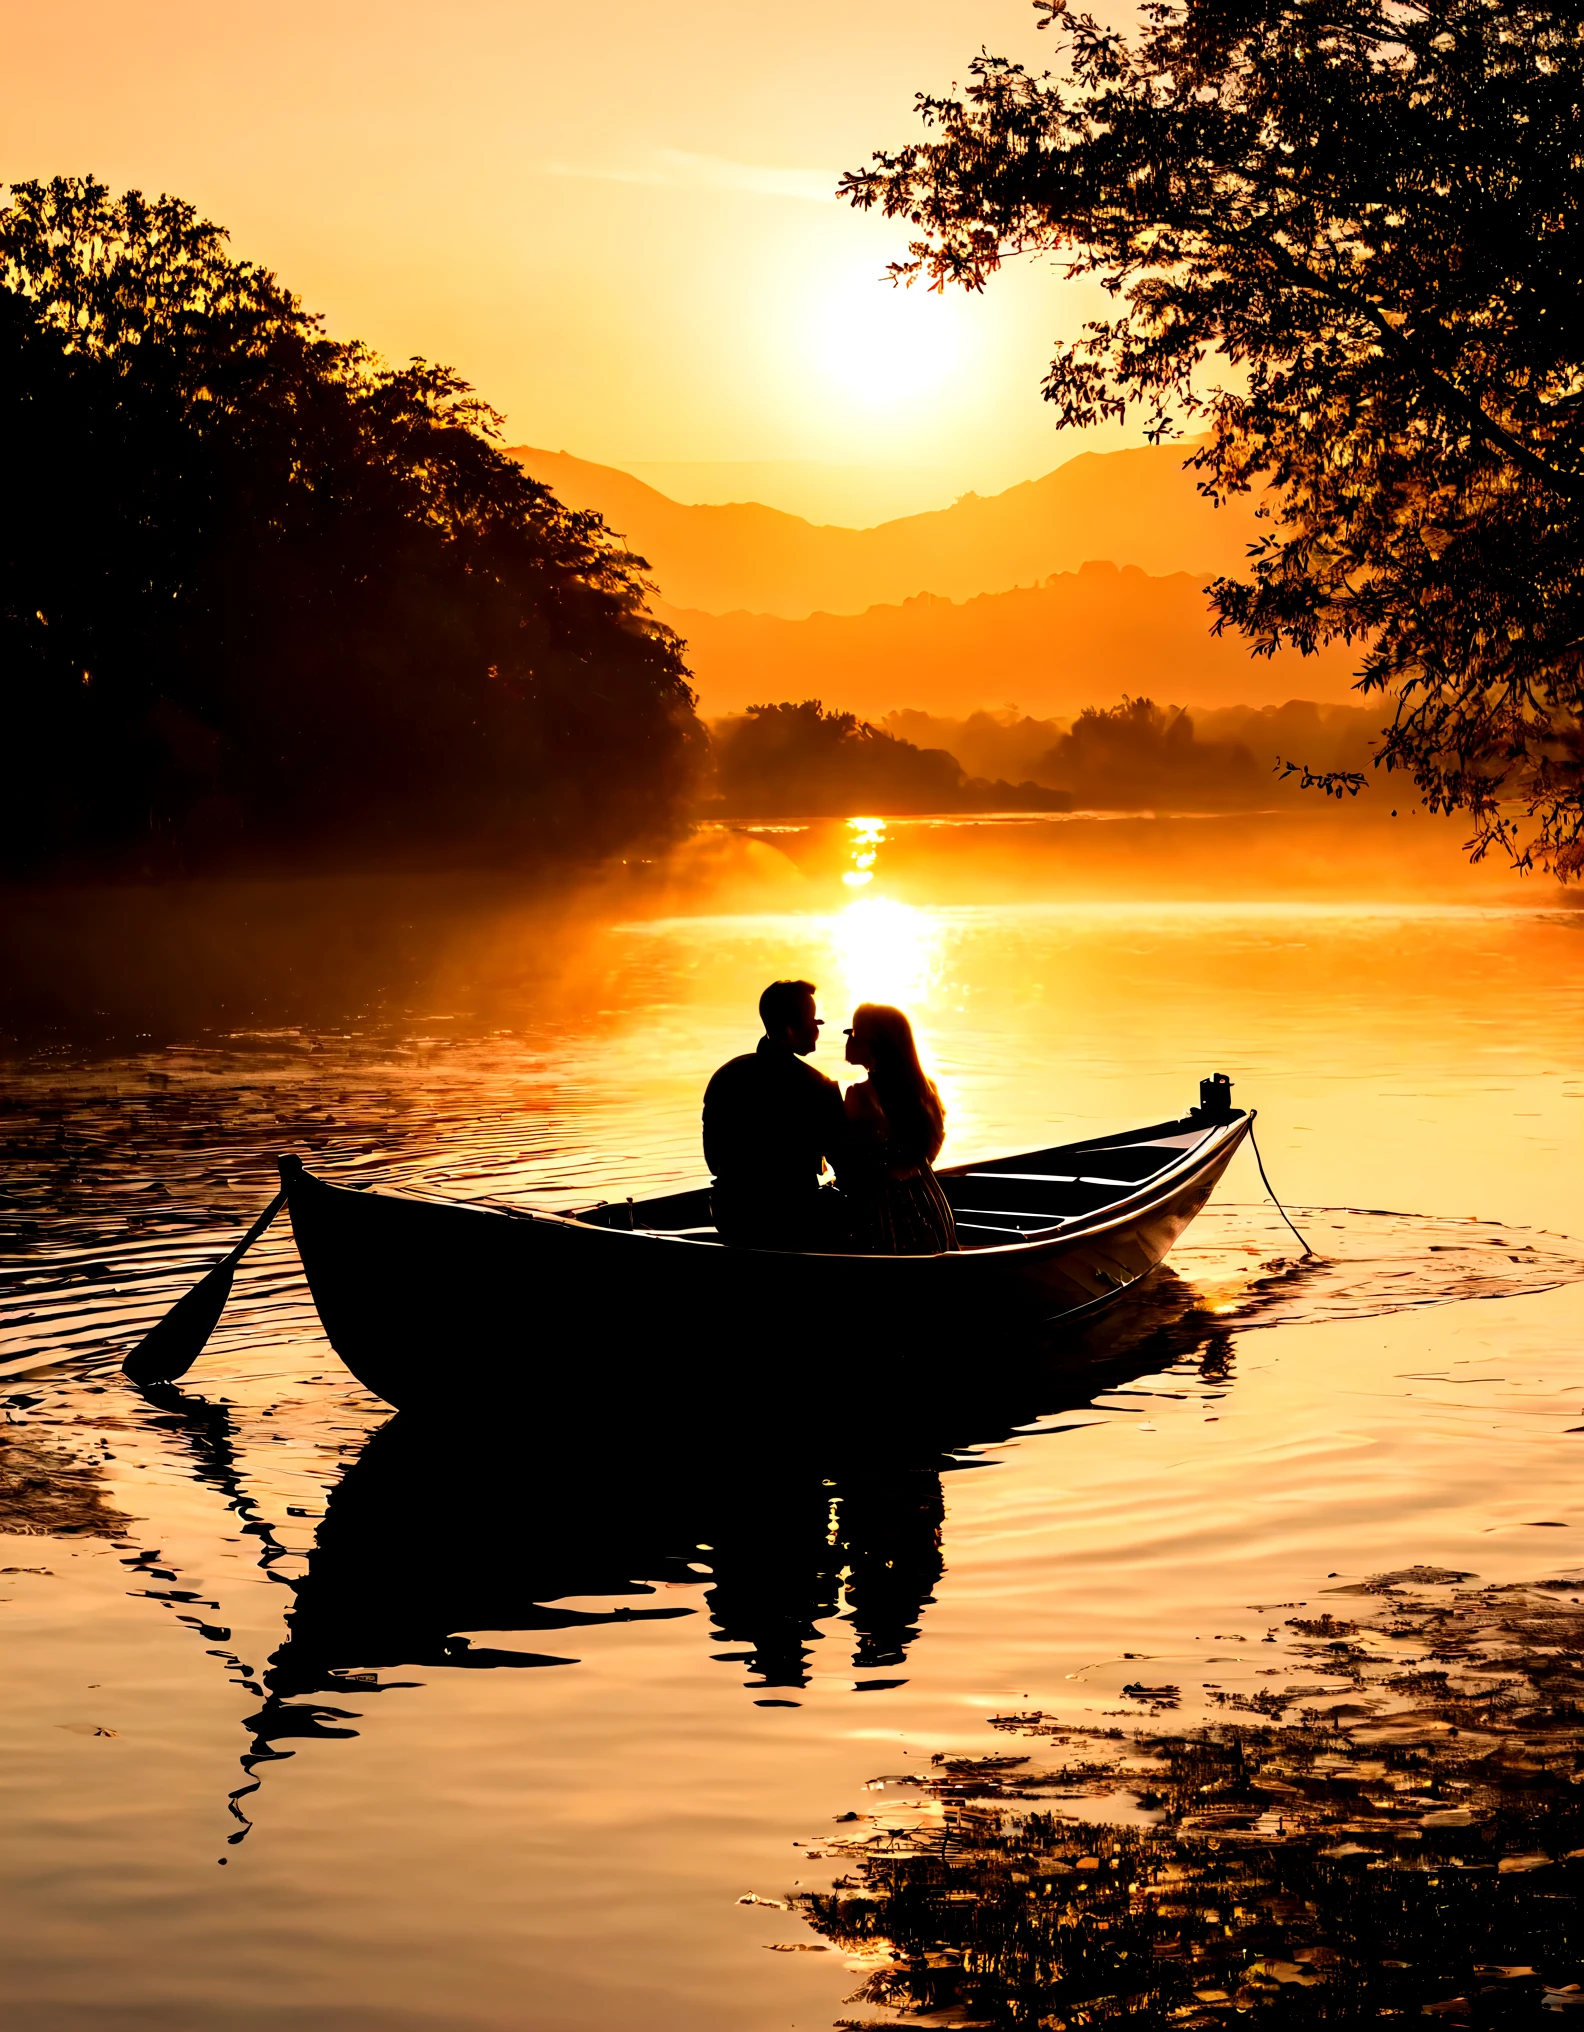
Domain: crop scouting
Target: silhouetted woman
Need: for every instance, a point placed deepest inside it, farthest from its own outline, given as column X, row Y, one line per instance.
column 896, row 1127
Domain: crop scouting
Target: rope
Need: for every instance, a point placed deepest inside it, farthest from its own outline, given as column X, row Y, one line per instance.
column 1275, row 1202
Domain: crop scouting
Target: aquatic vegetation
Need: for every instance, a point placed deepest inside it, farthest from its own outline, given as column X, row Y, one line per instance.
column 1416, row 1846
column 48, row 1491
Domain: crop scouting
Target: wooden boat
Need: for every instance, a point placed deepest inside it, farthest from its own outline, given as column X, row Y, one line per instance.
column 417, row 1293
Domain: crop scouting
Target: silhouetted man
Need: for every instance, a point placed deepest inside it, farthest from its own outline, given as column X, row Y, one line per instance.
column 771, row 1123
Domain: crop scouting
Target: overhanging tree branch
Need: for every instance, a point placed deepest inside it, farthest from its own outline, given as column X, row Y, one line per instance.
column 1439, row 149
column 1571, row 485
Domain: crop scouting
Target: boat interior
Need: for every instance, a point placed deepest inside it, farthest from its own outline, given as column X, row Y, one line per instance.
column 1028, row 1197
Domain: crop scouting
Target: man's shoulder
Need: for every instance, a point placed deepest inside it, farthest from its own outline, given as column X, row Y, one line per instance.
column 735, row 1072
column 759, row 1069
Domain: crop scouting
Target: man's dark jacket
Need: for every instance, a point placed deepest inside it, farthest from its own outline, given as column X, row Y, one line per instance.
column 769, row 1121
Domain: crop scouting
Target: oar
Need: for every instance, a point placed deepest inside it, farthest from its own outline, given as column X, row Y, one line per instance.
column 172, row 1347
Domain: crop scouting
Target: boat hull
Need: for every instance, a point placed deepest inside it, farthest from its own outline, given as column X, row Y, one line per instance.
column 416, row 1295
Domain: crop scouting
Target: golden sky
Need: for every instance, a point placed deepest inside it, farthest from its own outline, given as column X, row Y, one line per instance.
column 616, row 220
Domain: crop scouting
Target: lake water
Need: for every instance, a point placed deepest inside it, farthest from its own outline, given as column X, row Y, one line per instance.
column 520, row 1762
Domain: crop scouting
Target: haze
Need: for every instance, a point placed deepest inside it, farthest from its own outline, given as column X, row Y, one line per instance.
column 618, row 223
column 621, row 227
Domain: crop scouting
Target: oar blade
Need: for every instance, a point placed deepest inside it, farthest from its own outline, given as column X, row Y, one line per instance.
column 171, row 1348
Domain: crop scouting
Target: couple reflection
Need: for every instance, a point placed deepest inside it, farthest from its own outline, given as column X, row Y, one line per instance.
column 773, row 1125
column 430, row 1555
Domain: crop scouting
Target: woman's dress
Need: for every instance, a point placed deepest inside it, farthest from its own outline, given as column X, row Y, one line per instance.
column 897, row 1205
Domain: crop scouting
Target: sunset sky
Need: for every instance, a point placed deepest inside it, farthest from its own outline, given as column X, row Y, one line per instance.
column 617, row 221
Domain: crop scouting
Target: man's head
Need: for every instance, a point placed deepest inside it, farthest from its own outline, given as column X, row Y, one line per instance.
column 786, row 1009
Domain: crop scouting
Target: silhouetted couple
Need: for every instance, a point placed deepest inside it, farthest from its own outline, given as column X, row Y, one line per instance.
column 773, row 1125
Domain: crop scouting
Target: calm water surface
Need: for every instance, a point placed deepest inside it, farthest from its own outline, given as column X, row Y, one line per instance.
column 309, row 1717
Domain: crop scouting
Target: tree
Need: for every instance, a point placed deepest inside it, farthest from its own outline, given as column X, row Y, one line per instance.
column 1140, row 753
column 264, row 599
column 799, row 758
column 1364, row 216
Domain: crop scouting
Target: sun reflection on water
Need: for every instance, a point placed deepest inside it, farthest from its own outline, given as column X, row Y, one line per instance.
column 888, row 952
column 864, row 848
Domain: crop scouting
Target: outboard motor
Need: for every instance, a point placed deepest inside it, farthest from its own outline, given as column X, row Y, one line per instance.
column 1215, row 1100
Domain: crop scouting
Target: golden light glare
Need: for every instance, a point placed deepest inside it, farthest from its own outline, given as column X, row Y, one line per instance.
column 887, row 951
column 878, row 348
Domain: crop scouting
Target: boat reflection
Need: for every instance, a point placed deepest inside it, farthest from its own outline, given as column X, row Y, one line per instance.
column 791, row 1512
column 810, row 1525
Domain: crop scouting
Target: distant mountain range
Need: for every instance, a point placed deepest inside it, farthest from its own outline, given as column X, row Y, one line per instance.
column 989, row 602
column 1080, row 638
column 820, row 490
column 1136, row 507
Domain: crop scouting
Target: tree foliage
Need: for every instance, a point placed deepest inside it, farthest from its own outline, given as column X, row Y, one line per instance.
column 1363, row 216
column 265, row 599
column 800, row 759
column 1139, row 753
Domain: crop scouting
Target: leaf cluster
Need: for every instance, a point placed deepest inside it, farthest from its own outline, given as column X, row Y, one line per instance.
column 1342, row 238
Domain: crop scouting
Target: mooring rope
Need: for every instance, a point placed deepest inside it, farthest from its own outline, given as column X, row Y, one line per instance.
column 1275, row 1202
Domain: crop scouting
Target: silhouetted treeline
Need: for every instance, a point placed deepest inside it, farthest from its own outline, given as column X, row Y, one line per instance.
column 265, row 601
column 1139, row 754
column 802, row 760
column 798, row 760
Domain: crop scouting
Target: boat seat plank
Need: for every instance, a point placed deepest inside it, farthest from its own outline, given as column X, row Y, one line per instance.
column 998, row 1235
column 1030, row 1199
column 1038, row 1217
column 1175, row 1143
column 1138, row 1155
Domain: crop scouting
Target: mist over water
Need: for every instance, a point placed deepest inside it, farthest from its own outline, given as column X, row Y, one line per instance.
column 499, row 1728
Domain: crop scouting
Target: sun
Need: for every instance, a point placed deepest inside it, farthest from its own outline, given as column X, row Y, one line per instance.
column 879, row 348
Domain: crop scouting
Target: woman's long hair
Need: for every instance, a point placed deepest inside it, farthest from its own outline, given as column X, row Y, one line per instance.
column 904, row 1090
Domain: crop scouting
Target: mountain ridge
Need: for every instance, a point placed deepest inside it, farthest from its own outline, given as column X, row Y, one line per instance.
column 1138, row 506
